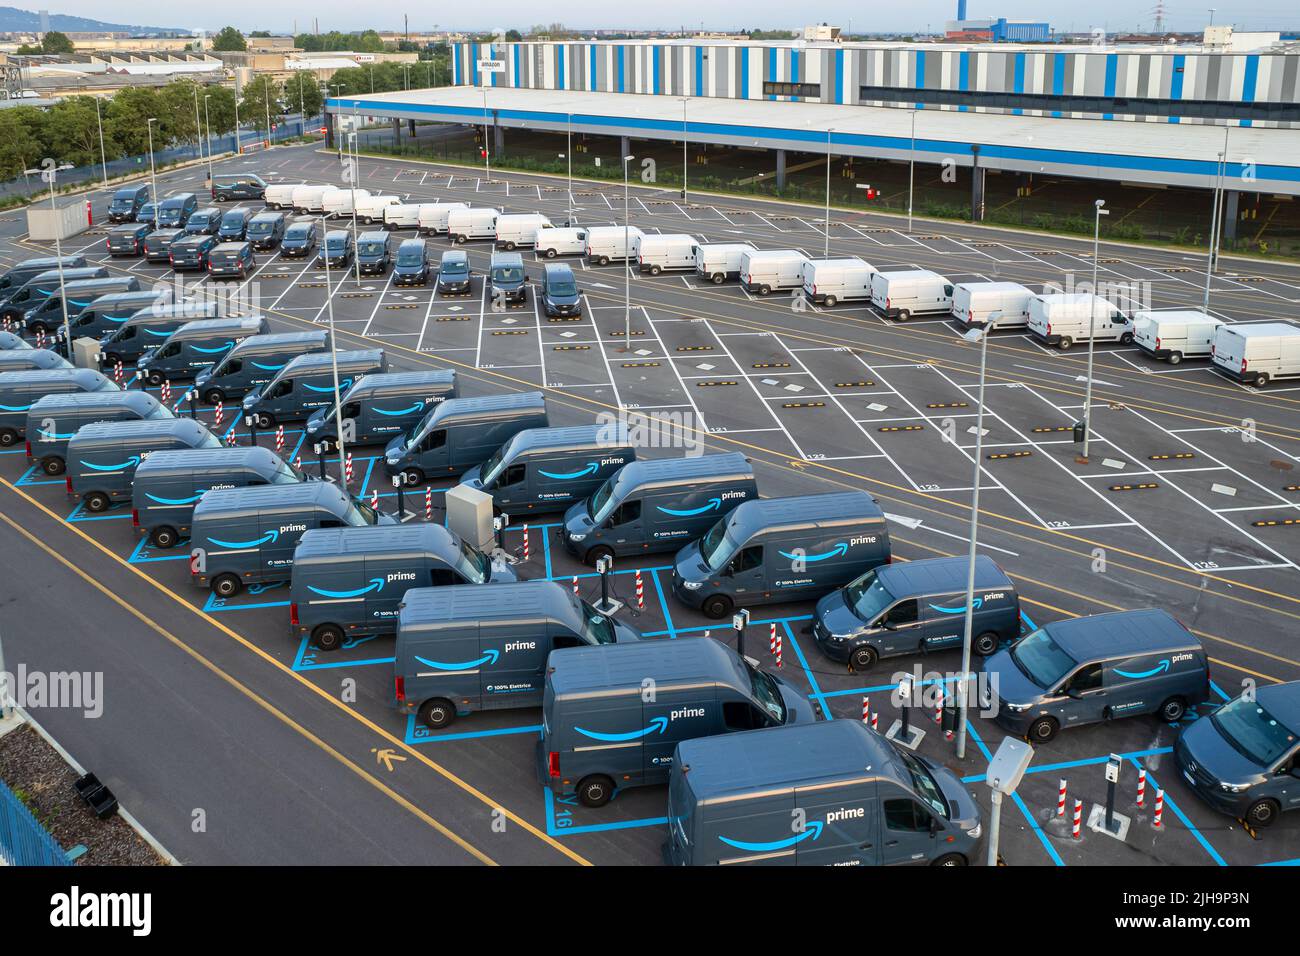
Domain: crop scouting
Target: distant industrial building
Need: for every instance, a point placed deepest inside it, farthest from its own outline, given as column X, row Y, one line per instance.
column 1000, row 30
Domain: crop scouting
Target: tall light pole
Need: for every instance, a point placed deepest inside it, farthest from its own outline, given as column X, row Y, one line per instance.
column 685, row 100
column 1220, row 171
column 569, row 156
column 980, row 335
column 198, row 125
column 826, row 251
column 487, row 152
column 627, row 265
column 207, row 129
column 153, row 173
column 49, row 171
column 266, row 101
column 334, row 356
column 238, row 147
column 911, row 173
column 356, row 174
column 1092, row 317
column 103, row 159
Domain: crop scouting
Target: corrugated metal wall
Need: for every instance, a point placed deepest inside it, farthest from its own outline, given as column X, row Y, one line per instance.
column 739, row 71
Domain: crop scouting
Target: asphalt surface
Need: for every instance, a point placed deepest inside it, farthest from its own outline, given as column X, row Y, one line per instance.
column 810, row 392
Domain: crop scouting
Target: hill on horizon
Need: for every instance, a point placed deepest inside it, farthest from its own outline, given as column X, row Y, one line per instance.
column 14, row 20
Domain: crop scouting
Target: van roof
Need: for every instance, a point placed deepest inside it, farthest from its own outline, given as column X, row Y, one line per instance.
column 507, row 259
column 190, row 459
column 770, row 514
column 279, row 340
column 1253, row 329
column 610, row 668
column 773, row 253
column 910, row 274
column 140, row 295
column 101, row 282
column 178, row 198
column 268, row 216
column 575, row 437
column 557, row 269
column 389, row 540
column 174, row 310
column 69, row 275
column 409, row 244
column 848, row 262
column 940, row 575
column 233, row 246
column 107, row 433
column 263, row 498
column 399, row 380
column 1176, row 315
column 84, row 377
column 218, row 326
column 731, row 465
column 822, row 751
column 456, row 408
column 435, row 608
column 374, row 235
column 137, row 401
column 42, row 263
column 370, row 358
column 1117, row 633
column 992, row 287
column 1283, row 702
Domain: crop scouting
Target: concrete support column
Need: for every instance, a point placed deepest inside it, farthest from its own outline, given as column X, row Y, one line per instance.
column 498, row 137
column 624, row 144
column 976, row 187
column 780, row 169
column 397, row 132
column 410, row 128
column 328, row 122
column 1231, row 201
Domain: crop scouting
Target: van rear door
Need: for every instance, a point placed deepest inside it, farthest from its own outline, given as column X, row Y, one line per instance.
column 842, row 825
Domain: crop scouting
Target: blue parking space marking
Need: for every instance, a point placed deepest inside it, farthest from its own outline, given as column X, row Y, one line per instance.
column 28, row 481
column 877, row 688
column 723, row 625
column 216, row 605
column 1015, row 797
column 305, row 659
column 558, row 823
column 1178, row 812
column 76, row 515
column 1218, row 690
column 1295, row 862
column 979, row 741
column 417, row 733
column 808, row 673
column 141, row 554
column 663, row 603
column 1028, row 621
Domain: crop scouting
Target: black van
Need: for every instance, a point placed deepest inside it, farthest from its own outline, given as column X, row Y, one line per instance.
column 226, row 187
column 560, row 294
column 18, row 276
column 266, row 229
column 175, row 211
column 234, row 224
column 127, row 202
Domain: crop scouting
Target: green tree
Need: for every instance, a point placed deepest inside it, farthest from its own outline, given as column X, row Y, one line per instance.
column 261, row 34
column 369, row 42
column 23, row 149
column 513, row 36
column 219, row 110
column 72, row 132
column 177, row 110
column 26, row 49
column 260, row 96
column 303, row 93
column 127, row 118
column 56, row 42
column 229, row 40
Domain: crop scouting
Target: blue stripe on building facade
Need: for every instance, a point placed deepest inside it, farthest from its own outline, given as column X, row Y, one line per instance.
column 1058, row 77
column 963, row 76
column 699, row 71
column 1018, row 80
column 1176, row 82
column 656, row 53
column 839, row 76
column 621, row 51
column 594, row 74
column 1248, row 83
column 1112, row 73
column 560, row 69
column 771, row 69
column 517, row 56
column 744, row 72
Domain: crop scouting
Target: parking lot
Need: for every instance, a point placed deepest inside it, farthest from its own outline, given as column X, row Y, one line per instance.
column 1181, row 505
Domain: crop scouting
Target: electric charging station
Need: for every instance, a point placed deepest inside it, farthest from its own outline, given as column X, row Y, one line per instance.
column 901, row 731
column 606, row 605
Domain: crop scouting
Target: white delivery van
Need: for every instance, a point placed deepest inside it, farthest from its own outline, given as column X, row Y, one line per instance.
column 974, row 302
column 1061, row 319
column 403, row 216
column 371, row 208
column 910, row 292
column 1175, row 334
column 605, row 243
column 466, row 224
column 280, row 195
column 720, row 261
column 433, row 216
column 338, row 202
column 765, row 271
column 519, row 229
column 309, row 198
column 828, row 281
column 668, row 252
column 561, row 242
column 1257, row 353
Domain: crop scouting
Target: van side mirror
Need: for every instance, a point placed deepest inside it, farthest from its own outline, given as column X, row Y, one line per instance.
column 934, row 826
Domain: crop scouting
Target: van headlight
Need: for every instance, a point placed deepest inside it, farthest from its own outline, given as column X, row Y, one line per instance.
column 975, row 831
column 577, row 537
column 1234, row 787
column 1015, row 708
column 692, row 585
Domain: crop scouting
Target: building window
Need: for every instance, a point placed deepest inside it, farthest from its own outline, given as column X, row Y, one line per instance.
column 792, row 89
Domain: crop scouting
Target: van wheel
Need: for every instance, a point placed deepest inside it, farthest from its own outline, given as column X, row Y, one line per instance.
column 264, row 420
column 595, row 554
column 551, row 253
column 1065, row 343
column 1043, row 729
column 327, row 637
column 951, row 859
column 112, row 358
column 52, row 466
column 717, row 607
column 155, row 378
column 1262, row 813
column 595, row 791
column 7, row 437
column 96, row 502
column 1126, row 338
column 602, row 260
column 903, row 315
column 986, row 644
column 214, row 395
column 412, row 477
column 765, row 290
column 863, row 658
column 436, row 714
column 717, row 278
column 226, row 585
column 655, row 270
column 1261, row 379
column 830, row 301
column 461, row 240
column 1173, row 709
column 164, row 536
column 510, row 247
column 1175, row 358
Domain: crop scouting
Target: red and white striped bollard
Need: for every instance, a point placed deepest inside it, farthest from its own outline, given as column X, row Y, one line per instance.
column 218, row 413
column 778, row 651
column 1142, row 787
column 1159, row 809
column 374, row 499
column 1060, row 799
column 771, row 639
column 866, row 710
column 640, row 591
column 347, row 469
column 279, row 440
column 1078, row 818
column 575, row 585
column 526, row 542
column 428, row 504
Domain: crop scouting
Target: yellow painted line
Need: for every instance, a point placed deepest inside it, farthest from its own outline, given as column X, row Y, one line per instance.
column 295, row 676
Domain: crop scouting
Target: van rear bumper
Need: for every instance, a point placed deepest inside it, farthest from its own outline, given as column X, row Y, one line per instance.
column 1052, row 339
column 1153, row 353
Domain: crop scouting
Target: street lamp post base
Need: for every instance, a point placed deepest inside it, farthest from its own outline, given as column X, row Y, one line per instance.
column 1082, row 460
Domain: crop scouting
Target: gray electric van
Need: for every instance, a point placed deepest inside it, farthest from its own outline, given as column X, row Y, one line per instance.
column 411, row 267
column 506, row 279
column 126, row 202
column 349, row 582
column 19, row 275
column 255, row 361
column 30, row 359
column 462, row 432
column 1085, row 670
column 1244, row 758
column 231, row 260
column 205, row 221
column 168, row 484
column 107, row 312
column 307, row 383
column 336, row 250
column 150, row 327
column 466, row 648
column 547, row 469
column 652, row 506
column 732, row 800
column 19, row 391
column 372, row 253
column 41, row 286
column 601, row 731
column 102, row 457
column 771, row 550
column 47, row 315
column 53, row 420
column 127, row 239
column 247, row 535
column 175, row 211
column 158, row 244
column 266, row 229
column 234, row 225
column 381, row 406
column 914, row 607
column 559, row 291
column 228, row 186
column 195, row 346
column 299, row 239
column 192, row 252
column 454, row 273
column 13, row 343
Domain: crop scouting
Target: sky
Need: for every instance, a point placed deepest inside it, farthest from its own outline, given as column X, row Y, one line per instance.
column 1064, row 15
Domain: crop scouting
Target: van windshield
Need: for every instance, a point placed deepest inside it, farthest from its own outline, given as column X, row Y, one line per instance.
column 162, row 411
column 410, row 257
column 492, row 466
column 1041, row 659
column 473, row 565
column 360, row 514
column 454, row 267
column 596, row 627
column 299, row 231
column 924, row 785
column 212, row 441
column 867, row 597
column 1253, row 732
column 600, row 504
column 766, row 694
column 286, row 474
column 263, row 228
column 373, row 248
column 716, row 548
column 508, row 274
column 561, row 287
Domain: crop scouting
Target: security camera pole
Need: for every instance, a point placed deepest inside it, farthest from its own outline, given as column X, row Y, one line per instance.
column 1092, row 317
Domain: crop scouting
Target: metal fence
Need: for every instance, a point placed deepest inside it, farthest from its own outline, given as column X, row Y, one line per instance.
column 23, row 841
